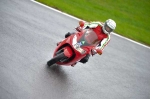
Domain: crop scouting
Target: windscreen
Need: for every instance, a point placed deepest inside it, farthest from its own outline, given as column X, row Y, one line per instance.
column 89, row 38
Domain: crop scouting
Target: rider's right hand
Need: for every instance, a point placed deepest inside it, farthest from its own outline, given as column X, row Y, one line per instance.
column 81, row 23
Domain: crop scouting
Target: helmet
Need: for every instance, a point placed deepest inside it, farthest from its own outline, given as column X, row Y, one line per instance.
column 109, row 26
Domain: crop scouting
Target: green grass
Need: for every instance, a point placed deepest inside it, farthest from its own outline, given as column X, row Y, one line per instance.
column 132, row 16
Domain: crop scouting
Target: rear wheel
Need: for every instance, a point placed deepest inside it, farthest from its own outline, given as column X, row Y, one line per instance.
column 56, row 59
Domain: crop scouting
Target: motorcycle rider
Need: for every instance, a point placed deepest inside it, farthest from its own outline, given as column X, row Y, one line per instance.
column 104, row 30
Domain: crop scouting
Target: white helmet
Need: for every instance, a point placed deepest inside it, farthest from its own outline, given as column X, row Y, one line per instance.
column 109, row 26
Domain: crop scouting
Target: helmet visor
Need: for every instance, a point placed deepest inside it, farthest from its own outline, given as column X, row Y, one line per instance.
column 107, row 28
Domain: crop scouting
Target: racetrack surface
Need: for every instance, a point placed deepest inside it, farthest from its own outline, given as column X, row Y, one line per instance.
column 28, row 36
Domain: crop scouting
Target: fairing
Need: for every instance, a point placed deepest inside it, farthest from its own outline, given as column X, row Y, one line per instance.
column 79, row 45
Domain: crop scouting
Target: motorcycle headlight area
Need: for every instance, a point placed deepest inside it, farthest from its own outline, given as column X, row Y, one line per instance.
column 78, row 48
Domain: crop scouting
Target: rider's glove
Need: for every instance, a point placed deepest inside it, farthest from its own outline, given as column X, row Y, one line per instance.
column 99, row 51
column 81, row 23
column 95, row 51
column 80, row 27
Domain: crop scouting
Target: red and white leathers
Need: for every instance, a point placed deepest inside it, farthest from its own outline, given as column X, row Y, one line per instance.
column 97, row 27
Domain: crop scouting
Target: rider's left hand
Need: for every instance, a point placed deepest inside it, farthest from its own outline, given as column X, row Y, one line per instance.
column 96, row 51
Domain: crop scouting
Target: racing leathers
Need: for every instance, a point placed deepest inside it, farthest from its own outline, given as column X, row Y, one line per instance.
column 97, row 27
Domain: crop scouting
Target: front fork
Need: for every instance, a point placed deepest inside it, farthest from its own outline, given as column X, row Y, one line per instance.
column 68, row 53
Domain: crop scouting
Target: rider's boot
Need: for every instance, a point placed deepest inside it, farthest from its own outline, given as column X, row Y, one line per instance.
column 67, row 34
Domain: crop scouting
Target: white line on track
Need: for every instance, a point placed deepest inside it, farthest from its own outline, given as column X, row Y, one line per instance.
column 81, row 19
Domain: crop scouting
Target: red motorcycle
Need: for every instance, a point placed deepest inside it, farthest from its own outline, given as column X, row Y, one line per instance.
column 75, row 47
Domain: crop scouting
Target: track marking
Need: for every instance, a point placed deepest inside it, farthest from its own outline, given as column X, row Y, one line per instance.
column 81, row 19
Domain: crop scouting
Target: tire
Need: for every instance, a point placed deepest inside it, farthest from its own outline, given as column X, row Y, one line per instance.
column 56, row 59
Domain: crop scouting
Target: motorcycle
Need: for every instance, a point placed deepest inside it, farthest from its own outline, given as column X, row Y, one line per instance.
column 75, row 47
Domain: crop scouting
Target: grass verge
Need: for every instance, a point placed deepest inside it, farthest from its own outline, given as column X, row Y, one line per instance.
column 132, row 16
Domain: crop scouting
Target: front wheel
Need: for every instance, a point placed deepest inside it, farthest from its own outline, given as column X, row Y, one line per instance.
column 56, row 59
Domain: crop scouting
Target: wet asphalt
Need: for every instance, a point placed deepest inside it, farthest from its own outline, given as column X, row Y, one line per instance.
column 28, row 36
